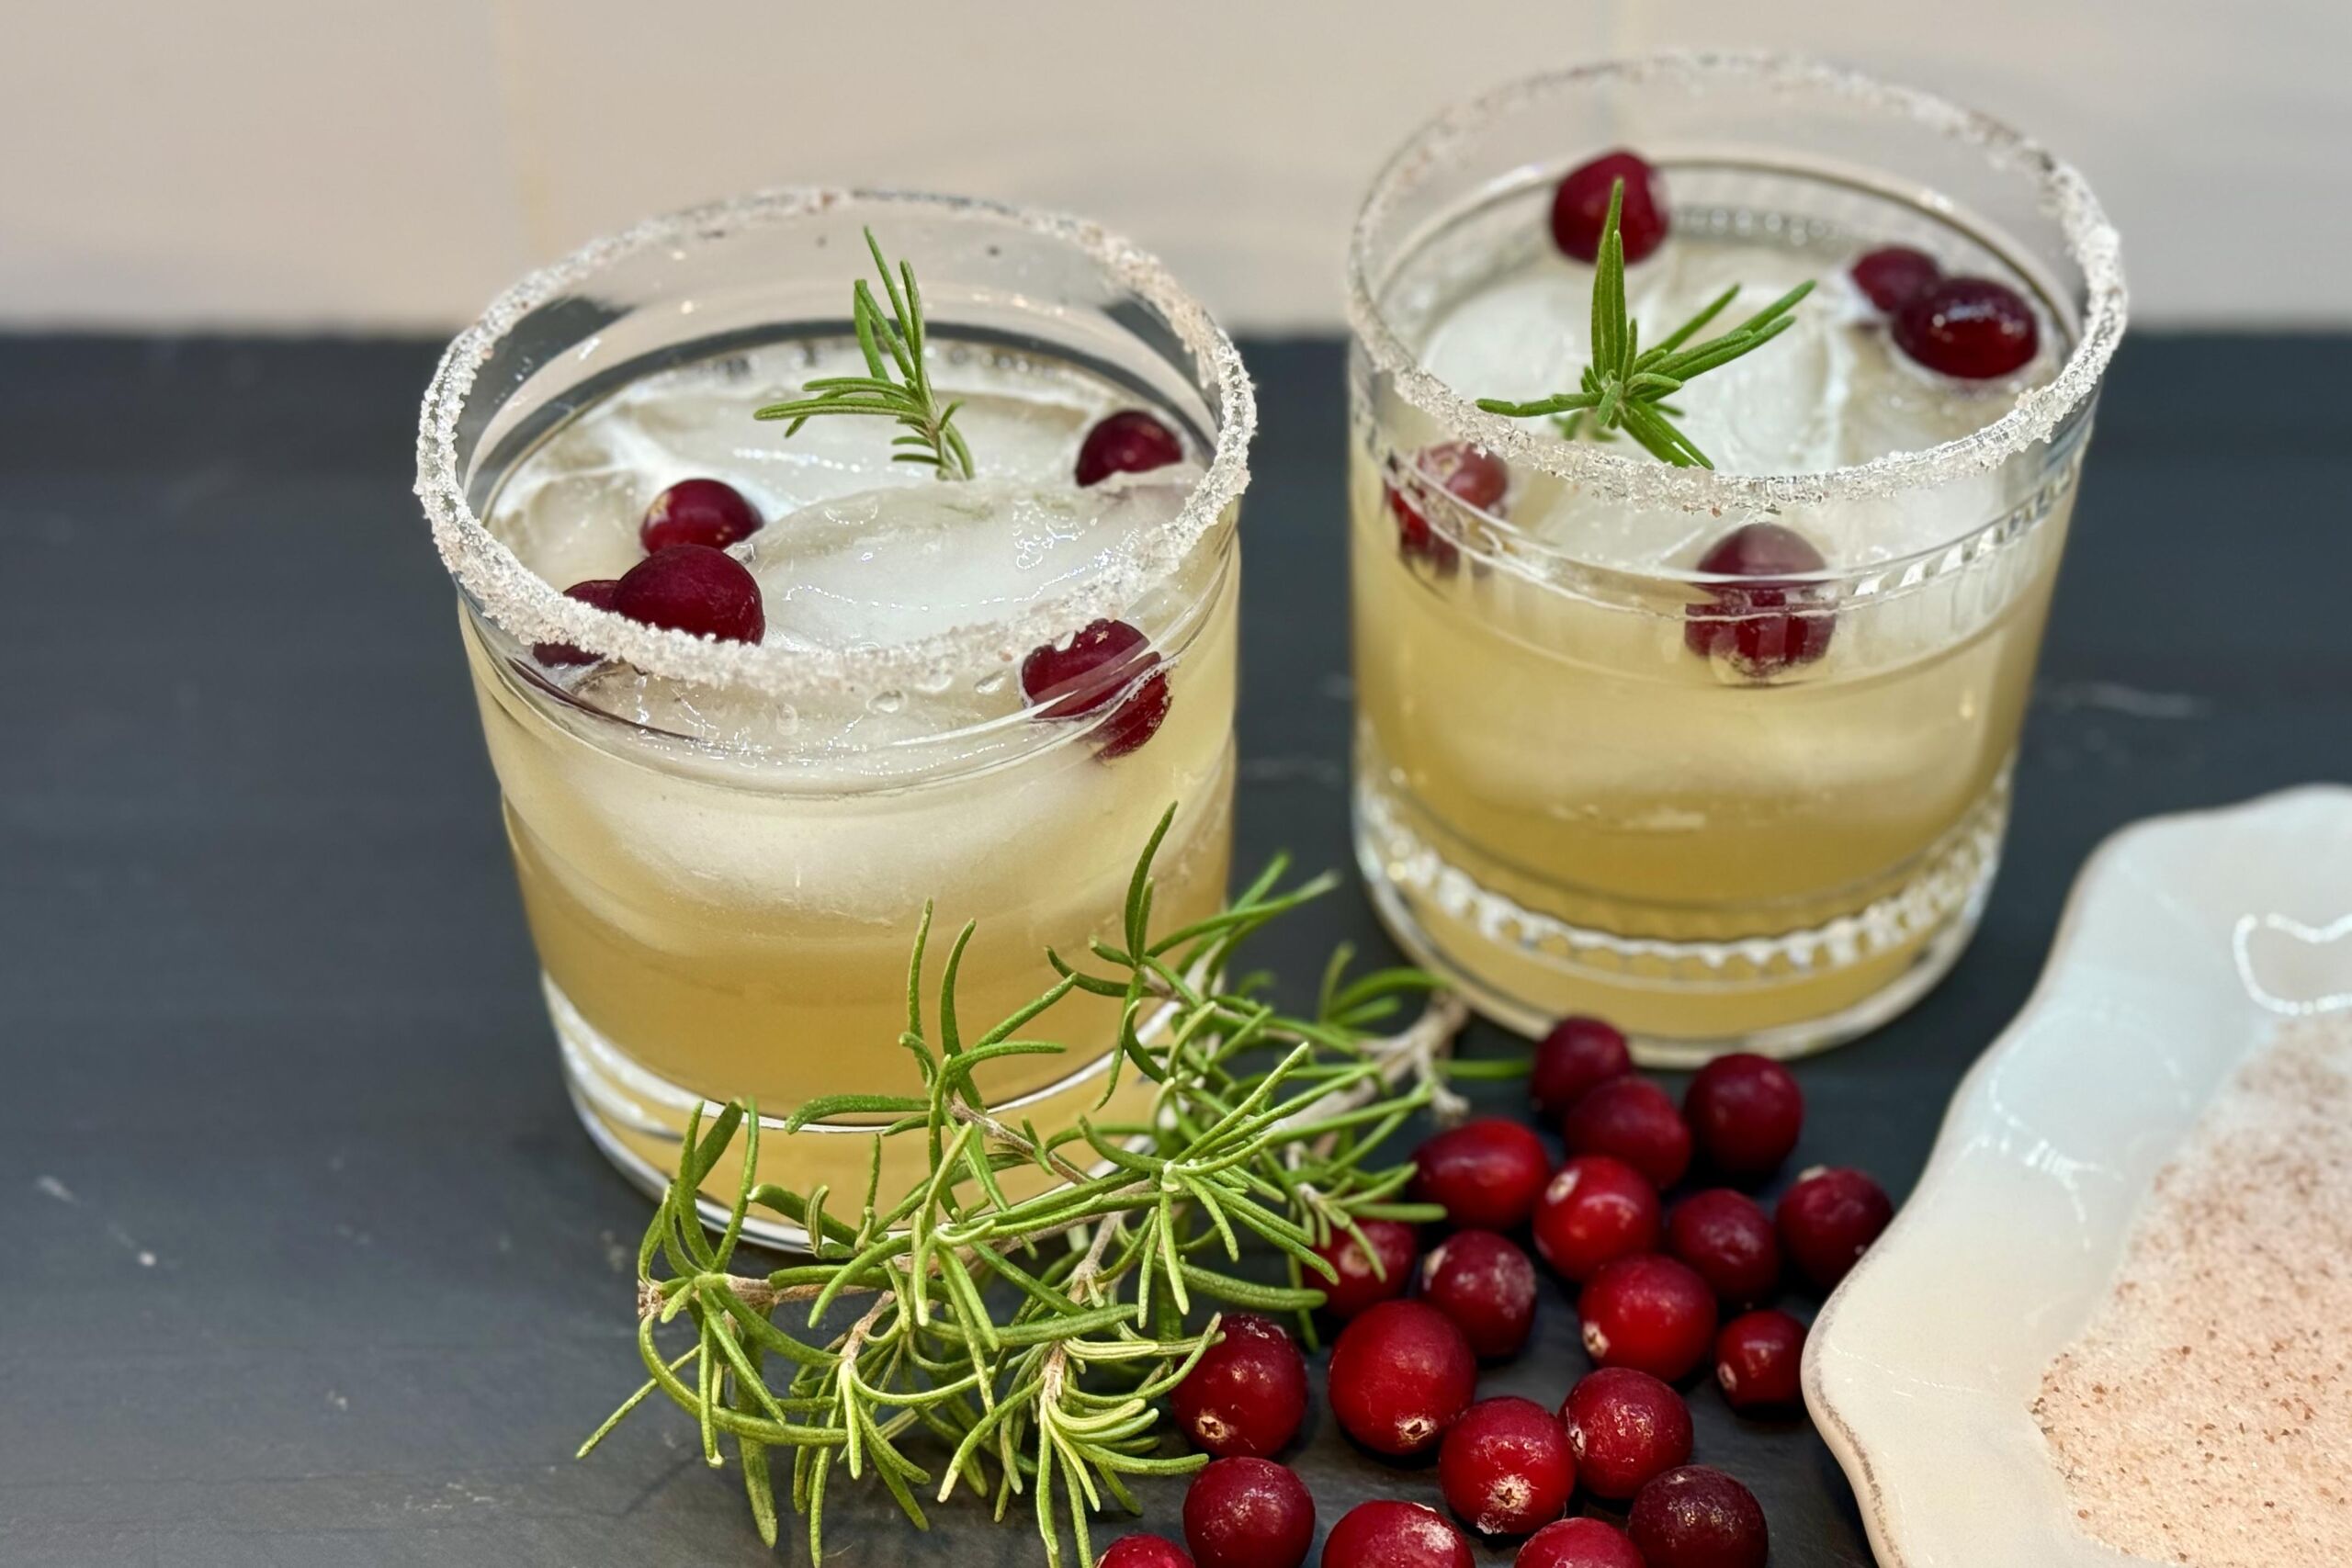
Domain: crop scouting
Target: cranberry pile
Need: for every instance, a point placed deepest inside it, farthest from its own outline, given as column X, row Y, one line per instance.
column 1652, row 1220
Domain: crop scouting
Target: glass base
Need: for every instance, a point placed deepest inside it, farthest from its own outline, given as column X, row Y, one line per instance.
column 1781, row 993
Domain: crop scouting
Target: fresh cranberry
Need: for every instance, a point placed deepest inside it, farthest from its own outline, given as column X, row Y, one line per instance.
column 1248, row 1513
column 1485, row 1283
column 1127, row 442
column 1144, row 1551
column 1506, row 1467
column 1726, row 1238
column 1759, row 1357
column 1248, row 1392
column 1632, row 1119
column 693, row 588
column 1383, row 1534
column 1625, row 1426
column 1484, row 1174
column 1829, row 1219
column 1745, row 1112
column 1970, row 327
column 1578, row 1054
column 1597, row 1210
column 699, row 512
column 1102, row 660
column 1580, row 207
column 1651, row 1314
column 1749, row 624
column 596, row 590
column 1472, row 475
column 1577, row 1543
column 1399, row 1376
column 1365, row 1280
column 1890, row 275
column 1697, row 1518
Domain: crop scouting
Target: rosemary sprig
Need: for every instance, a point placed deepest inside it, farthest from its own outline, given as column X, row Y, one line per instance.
column 1024, row 1341
column 890, row 344
column 1625, row 386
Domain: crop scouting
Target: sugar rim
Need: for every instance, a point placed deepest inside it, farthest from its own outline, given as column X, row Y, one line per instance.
column 2091, row 241
column 528, row 607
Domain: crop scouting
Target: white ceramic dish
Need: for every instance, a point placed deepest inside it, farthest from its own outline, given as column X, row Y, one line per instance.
column 2185, row 940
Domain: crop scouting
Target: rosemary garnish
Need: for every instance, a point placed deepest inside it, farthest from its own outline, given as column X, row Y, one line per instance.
column 932, row 436
column 1029, row 1338
column 1625, row 385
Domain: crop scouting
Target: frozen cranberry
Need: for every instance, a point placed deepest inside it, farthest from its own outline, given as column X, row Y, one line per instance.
column 1625, row 1426
column 1890, row 275
column 596, row 590
column 1578, row 1054
column 1726, row 1238
column 1597, row 1210
column 1577, row 1543
column 1127, row 442
column 1749, row 624
column 1101, row 660
column 697, row 512
column 1382, row 1534
column 1486, row 1174
column 1364, row 1280
column 1632, row 1119
column 1697, row 1518
column 1829, row 1219
column 1486, row 1285
column 1400, row 1374
column 1472, row 475
column 1580, row 207
column 1248, row 1392
column 1745, row 1112
column 1651, row 1314
column 1506, row 1467
column 1144, row 1551
column 693, row 588
column 1970, row 327
column 1759, row 1357
column 1248, row 1513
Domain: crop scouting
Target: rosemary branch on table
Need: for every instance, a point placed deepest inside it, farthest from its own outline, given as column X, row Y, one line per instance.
column 1024, row 1341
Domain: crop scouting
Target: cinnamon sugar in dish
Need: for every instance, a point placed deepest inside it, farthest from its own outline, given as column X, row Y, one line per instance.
column 2205, row 1416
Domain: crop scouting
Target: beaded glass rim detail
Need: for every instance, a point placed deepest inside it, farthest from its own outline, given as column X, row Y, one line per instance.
column 532, row 610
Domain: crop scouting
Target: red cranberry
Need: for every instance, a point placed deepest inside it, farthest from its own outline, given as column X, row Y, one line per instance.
column 693, row 588
column 1624, row 1428
column 1580, row 207
column 1486, row 1174
column 1829, row 1219
column 1726, row 1238
column 1748, row 623
column 1650, row 1314
column 596, row 590
column 1248, row 1513
column 1759, row 1358
column 1890, row 275
column 1101, row 660
column 1144, row 1551
column 1597, row 1210
column 1633, row 1120
column 1248, row 1392
column 1970, row 327
column 1127, row 442
column 699, row 512
column 1697, row 1518
column 1745, row 1112
column 1472, row 475
column 1400, row 1374
column 1485, row 1283
column 1365, row 1280
column 1578, row 1054
column 1383, row 1534
column 1506, row 1467
column 1577, row 1543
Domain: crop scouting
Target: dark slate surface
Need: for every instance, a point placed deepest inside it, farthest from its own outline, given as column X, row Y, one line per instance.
column 305, row 1261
